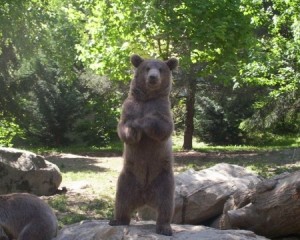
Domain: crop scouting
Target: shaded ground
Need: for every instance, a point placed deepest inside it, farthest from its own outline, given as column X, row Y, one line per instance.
column 99, row 162
column 265, row 163
column 90, row 179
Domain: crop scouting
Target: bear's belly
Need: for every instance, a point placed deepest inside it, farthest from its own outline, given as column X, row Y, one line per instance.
column 147, row 160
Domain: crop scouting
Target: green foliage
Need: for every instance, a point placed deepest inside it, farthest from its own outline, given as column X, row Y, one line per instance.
column 274, row 65
column 8, row 131
column 101, row 110
column 202, row 36
column 220, row 109
column 104, row 36
column 41, row 83
column 271, row 140
column 110, row 31
column 60, row 112
column 58, row 57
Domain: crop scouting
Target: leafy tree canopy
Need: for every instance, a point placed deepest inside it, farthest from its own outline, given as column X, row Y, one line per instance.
column 192, row 31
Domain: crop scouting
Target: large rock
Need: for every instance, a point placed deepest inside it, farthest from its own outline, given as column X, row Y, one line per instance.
column 200, row 196
column 23, row 171
column 100, row 230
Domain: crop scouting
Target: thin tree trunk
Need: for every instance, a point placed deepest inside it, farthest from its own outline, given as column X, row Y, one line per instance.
column 189, row 117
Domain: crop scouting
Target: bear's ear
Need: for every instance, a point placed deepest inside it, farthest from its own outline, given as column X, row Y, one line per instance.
column 136, row 60
column 172, row 63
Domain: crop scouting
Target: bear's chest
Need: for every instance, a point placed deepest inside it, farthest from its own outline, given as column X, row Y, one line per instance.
column 144, row 108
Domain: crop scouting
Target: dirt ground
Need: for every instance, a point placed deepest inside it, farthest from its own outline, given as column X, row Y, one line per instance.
column 112, row 163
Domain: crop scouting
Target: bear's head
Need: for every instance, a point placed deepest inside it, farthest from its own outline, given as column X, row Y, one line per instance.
column 152, row 77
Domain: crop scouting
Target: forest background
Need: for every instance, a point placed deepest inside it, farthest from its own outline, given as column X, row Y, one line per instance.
column 65, row 69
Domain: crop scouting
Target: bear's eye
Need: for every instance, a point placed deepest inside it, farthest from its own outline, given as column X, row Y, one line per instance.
column 160, row 69
column 148, row 69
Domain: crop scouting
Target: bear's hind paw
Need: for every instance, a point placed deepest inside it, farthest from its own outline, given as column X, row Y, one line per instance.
column 164, row 230
column 118, row 223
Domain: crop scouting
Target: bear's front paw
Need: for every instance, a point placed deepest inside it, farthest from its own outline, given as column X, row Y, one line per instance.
column 132, row 135
column 164, row 229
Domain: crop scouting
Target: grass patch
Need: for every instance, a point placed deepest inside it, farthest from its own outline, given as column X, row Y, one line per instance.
column 71, row 219
column 75, row 208
column 204, row 147
column 260, row 142
column 91, row 187
column 269, row 140
column 113, row 147
column 59, row 203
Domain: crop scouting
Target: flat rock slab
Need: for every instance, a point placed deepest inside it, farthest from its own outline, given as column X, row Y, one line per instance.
column 100, row 230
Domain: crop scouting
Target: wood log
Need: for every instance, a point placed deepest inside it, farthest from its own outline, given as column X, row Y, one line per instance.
column 200, row 195
column 273, row 211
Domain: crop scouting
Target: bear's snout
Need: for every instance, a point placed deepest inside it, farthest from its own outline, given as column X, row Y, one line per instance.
column 153, row 78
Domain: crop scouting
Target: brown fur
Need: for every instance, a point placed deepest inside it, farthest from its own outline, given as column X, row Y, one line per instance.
column 26, row 217
column 145, row 127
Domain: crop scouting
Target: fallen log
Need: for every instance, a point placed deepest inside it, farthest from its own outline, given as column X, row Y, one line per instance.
column 273, row 209
column 200, row 195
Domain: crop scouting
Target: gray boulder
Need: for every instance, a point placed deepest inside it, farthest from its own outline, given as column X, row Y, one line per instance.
column 23, row 171
column 100, row 230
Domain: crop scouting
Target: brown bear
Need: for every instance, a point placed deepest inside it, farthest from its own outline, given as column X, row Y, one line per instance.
column 24, row 216
column 145, row 127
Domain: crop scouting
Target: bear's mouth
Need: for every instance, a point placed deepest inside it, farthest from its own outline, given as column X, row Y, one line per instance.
column 153, row 85
column 153, row 82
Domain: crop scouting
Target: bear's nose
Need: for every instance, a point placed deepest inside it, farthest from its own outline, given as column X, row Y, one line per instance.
column 152, row 79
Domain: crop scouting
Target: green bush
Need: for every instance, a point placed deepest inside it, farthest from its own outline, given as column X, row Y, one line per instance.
column 220, row 111
column 9, row 130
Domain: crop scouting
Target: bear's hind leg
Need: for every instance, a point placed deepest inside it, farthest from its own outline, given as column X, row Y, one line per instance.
column 127, row 199
column 164, row 217
column 163, row 202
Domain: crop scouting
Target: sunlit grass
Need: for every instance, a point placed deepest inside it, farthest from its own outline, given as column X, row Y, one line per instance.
column 261, row 143
column 96, row 202
column 91, row 187
column 75, row 209
column 114, row 147
column 204, row 147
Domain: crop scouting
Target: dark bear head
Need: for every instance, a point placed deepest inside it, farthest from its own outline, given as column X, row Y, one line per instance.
column 152, row 77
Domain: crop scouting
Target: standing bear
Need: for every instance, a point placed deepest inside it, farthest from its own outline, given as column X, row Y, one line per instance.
column 145, row 127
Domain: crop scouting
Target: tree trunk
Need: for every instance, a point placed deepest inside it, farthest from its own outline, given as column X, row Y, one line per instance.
column 273, row 211
column 189, row 116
